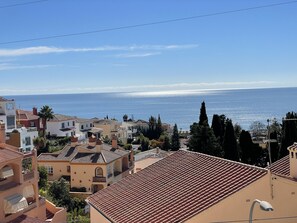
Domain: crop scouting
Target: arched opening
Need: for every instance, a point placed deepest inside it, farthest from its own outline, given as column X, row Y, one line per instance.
column 99, row 172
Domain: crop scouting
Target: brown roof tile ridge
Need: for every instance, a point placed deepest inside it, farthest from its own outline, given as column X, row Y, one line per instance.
column 226, row 160
column 10, row 148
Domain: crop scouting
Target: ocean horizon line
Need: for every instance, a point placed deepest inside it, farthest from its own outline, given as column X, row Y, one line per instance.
column 160, row 93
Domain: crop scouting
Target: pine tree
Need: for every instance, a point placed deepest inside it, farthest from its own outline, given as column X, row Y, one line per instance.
column 175, row 143
column 230, row 144
column 203, row 116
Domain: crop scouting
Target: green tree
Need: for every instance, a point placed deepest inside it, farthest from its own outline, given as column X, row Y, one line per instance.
column 42, row 183
column 229, row 143
column 159, row 128
column 125, row 117
column 218, row 126
column 247, row 147
column 175, row 143
column 203, row 140
column 59, row 191
column 289, row 133
column 166, row 144
column 203, row 116
column 46, row 113
column 274, row 148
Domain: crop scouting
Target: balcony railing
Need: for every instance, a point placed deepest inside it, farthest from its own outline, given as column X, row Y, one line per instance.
column 99, row 179
column 28, row 175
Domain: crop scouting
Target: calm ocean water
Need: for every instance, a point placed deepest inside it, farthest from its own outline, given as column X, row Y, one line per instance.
column 242, row 106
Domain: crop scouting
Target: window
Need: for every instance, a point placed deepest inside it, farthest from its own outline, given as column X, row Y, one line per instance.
column 91, row 125
column 49, row 170
column 32, row 124
column 67, row 123
column 292, row 155
column 82, row 127
column 63, row 125
column 68, row 168
column 10, row 122
column 28, row 141
column 73, row 123
column 99, row 171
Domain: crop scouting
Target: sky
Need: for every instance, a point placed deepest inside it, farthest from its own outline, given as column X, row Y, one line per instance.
column 222, row 44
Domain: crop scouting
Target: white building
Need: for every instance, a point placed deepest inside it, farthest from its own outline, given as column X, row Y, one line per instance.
column 22, row 138
column 8, row 113
column 61, row 126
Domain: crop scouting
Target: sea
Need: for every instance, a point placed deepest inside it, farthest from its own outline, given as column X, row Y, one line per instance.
column 243, row 106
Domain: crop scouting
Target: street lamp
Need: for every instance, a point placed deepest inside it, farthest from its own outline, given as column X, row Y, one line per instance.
column 264, row 205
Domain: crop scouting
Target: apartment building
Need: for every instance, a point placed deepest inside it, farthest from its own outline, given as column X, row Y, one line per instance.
column 19, row 198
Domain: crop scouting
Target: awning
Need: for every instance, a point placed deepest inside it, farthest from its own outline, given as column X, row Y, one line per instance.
column 6, row 171
column 14, row 204
column 28, row 191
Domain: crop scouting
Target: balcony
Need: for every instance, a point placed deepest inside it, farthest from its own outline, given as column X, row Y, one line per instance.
column 99, row 179
column 29, row 175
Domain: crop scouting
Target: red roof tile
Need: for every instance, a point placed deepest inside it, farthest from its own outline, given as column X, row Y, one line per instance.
column 174, row 189
column 8, row 152
column 26, row 115
column 281, row 167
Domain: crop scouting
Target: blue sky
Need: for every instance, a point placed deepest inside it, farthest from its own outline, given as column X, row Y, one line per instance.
column 247, row 49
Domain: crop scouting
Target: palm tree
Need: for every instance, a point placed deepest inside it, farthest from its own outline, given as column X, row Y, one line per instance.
column 46, row 113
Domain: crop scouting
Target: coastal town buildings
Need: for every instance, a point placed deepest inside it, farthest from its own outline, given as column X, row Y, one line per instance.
column 22, row 138
column 28, row 119
column 194, row 187
column 89, row 167
column 109, row 127
column 19, row 198
column 8, row 113
column 60, row 126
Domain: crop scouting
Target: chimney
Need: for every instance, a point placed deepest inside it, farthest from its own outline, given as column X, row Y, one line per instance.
column 35, row 111
column 293, row 160
column 74, row 140
column 92, row 139
column 2, row 132
column 114, row 142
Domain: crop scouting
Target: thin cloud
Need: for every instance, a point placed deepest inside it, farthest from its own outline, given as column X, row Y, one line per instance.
column 7, row 66
column 48, row 49
column 137, row 55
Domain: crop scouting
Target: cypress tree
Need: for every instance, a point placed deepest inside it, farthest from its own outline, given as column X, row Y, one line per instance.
column 289, row 133
column 230, row 144
column 218, row 126
column 175, row 143
column 203, row 116
column 159, row 128
column 246, row 146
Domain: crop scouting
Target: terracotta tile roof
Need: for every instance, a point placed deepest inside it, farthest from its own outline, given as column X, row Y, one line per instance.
column 84, row 153
column 25, row 219
column 59, row 118
column 8, row 152
column 174, row 189
column 26, row 115
column 281, row 166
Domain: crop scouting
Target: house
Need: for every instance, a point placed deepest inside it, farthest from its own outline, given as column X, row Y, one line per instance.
column 88, row 167
column 60, row 126
column 22, row 138
column 109, row 127
column 8, row 113
column 194, row 187
column 19, row 198
column 28, row 119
